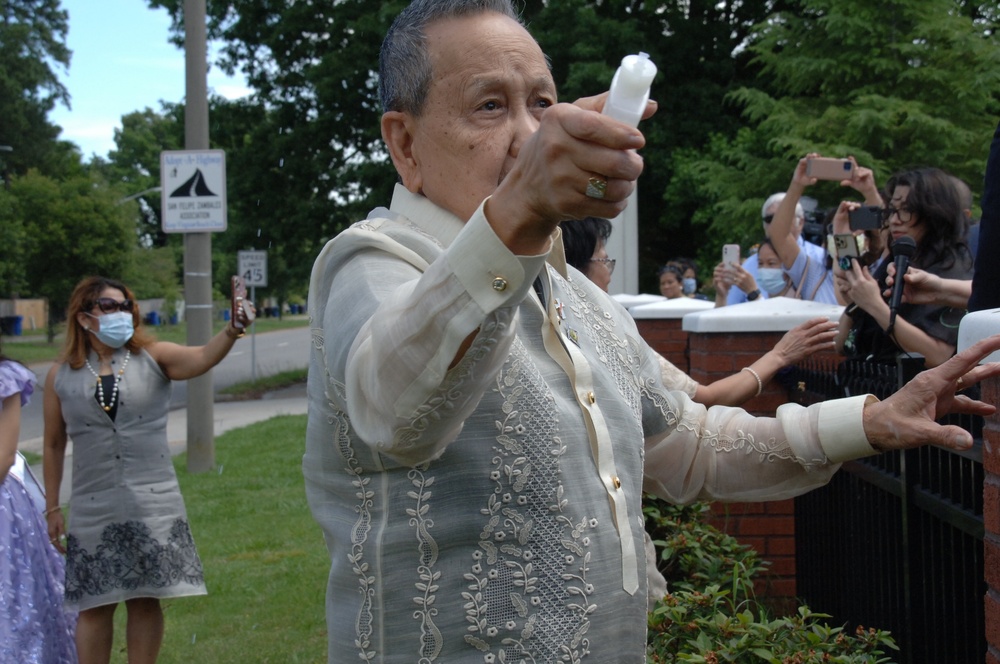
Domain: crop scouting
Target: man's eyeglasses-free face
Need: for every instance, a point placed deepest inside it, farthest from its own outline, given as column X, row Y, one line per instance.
column 110, row 305
column 608, row 263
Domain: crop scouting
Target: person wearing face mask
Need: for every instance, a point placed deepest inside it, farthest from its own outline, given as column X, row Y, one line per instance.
column 128, row 539
column 768, row 279
column 689, row 281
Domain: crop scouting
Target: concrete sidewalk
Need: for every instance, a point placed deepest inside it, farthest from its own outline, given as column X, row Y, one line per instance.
column 226, row 414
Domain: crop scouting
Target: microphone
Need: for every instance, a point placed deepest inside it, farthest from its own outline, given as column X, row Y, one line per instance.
column 903, row 249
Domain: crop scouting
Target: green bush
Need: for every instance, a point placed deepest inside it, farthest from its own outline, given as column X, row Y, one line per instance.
column 712, row 615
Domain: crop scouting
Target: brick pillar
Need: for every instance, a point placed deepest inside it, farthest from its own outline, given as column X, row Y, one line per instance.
column 991, row 519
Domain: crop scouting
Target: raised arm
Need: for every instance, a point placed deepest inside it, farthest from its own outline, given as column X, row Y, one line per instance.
column 183, row 362
column 782, row 230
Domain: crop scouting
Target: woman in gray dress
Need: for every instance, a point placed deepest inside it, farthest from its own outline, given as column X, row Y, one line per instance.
column 128, row 538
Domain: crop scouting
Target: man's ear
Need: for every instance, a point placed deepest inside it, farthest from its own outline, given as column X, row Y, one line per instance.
column 397, row 132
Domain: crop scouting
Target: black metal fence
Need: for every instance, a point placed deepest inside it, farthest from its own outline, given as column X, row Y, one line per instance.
column 895, row 541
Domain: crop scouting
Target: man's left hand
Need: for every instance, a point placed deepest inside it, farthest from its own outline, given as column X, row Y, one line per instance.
column 907, row 418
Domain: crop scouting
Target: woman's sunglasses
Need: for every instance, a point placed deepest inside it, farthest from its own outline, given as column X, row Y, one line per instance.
column 110, row 305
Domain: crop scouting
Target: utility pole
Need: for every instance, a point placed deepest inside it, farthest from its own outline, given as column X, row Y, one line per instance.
column 198, row 246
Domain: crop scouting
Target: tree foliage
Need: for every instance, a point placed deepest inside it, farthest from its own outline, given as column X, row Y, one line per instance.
column 78, row 228
column 32, row 41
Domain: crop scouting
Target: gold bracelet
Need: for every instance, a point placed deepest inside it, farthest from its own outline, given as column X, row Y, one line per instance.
column 760, row 383
column 57, row 508
column 234, row 334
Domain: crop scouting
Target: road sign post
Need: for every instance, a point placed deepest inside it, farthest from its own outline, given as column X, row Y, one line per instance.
column 252, row 266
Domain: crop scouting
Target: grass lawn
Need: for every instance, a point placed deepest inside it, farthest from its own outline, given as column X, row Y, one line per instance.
column 265, row 561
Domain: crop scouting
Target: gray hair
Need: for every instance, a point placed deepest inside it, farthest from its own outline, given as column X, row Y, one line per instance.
column 774, row 199
column 404, row 66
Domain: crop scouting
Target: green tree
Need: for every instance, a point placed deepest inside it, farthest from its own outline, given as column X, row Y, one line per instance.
column 77, row 228
column 32, row 41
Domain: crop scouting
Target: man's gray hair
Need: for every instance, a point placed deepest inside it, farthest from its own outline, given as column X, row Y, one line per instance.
column 404, row 66
column 774, row 199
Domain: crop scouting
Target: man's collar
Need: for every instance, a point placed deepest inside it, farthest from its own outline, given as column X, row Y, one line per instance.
column 433, row 220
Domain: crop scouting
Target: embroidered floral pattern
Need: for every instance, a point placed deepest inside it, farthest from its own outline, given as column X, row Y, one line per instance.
column 129, row 557
column 619, row 353
column 507, row 601
column 359, row 536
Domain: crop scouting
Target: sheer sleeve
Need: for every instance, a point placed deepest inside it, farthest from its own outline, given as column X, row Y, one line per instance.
column 724, row 453
column 14, row 378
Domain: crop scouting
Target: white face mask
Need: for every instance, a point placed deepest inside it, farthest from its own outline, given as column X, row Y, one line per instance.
column 771, row 279
column 114, row 329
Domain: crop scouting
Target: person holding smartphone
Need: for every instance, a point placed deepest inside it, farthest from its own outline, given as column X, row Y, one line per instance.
column 128, row 539
column 810, row 278
column 924, row 206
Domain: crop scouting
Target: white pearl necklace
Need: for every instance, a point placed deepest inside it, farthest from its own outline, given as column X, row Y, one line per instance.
column 100, row 383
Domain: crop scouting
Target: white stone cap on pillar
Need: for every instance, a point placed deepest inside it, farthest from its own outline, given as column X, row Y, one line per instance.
column 775, row 314
column 976, row 326
column 628, row 301
column 669, row 308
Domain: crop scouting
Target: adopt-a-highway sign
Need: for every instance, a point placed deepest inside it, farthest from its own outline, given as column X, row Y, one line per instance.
column 193, row 190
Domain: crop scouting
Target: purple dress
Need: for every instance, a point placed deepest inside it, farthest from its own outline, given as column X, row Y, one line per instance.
column 34, row 627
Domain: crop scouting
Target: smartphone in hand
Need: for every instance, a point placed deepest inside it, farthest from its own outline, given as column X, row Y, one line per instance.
column 827, row 168
column 731, row 254
column 239, row 296
column 846, row 246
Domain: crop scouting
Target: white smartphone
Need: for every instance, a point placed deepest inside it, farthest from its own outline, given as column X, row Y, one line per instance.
column 731, row 254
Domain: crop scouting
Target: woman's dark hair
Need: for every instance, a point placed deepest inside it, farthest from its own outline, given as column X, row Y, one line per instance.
column 934, row 200
column 581, row 238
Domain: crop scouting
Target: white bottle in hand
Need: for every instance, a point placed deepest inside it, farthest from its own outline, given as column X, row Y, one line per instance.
column 630, row 89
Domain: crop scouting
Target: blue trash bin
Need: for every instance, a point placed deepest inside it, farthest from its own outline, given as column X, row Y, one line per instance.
column 153, row 318
column 12, row 325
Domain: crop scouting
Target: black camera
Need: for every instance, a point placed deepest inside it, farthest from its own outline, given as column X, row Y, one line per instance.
column 866, row 217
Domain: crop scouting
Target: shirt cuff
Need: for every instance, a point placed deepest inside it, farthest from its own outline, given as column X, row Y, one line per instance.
column 492, row 275
column 842, row 430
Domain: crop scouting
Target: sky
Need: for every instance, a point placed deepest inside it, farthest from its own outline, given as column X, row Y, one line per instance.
column 122, row 62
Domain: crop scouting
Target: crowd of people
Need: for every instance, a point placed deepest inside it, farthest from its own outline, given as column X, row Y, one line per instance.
column 483, row 417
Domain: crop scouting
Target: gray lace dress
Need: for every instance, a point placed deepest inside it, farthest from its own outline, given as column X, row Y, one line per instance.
column 128, row 529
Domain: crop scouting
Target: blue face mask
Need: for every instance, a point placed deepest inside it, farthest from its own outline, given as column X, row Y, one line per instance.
column 689, row 286
column 114, row 329
column 771, row 279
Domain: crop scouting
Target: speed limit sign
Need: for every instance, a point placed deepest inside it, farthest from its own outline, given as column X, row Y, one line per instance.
column 252, row 266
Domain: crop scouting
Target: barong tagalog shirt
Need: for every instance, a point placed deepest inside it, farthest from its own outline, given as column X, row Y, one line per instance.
column 491, row 511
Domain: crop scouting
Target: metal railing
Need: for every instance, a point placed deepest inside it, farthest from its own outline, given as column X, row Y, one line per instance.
column 895, row 541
